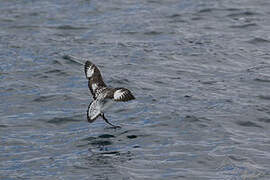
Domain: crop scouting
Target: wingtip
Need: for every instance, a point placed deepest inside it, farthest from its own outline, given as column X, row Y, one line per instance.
column 123, row 94
column 66, row 56
column 131, row 96
column 72, row 58
column 87, row 64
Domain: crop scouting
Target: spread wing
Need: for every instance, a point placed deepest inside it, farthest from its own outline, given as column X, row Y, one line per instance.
column 122, row 94
column 95, row 81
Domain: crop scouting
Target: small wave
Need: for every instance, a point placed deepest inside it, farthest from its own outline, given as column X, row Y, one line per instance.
column 101, row 142
column 232, row 9
column 207, row 10
column 259, row 67
column 237, row 158
column 209, row 82
column 111, row 152
column 128, row 131
column 244, row 25
column 89, row 138
column 174, row 16
column 153, row 33
column 47, row 98
column 120, row 110
column 8, row 20
column 106, row 136
column 191, row 118
column 264, row 97
column 3, row 126
column 265, row 79
column 61, row 120
column 130, row 32
column 159, row 82
column 265, row 120
column 248, row 124
column 257, row 41
column 265, row 108
column 57, row 72
column 132, row 136
column 25, row 27
column 107, row 157
column 241, row 14
column 67, row 27
column 44, row 98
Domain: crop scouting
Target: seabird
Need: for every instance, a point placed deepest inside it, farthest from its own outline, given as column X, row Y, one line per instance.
column 103, row 96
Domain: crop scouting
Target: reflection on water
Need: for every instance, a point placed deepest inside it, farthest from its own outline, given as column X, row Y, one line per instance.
column 199, row 71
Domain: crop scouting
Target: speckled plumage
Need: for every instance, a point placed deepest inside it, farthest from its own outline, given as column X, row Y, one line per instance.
column 102, row 95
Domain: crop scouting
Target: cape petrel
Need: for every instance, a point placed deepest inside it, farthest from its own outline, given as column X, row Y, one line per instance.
column 103, row 96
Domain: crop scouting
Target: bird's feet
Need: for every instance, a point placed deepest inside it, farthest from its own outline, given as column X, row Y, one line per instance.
column 113, row 127
column 106, row 120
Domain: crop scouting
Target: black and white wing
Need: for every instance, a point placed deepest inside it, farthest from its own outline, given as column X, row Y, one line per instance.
column 93, row 111
column 95, row 81
column 122, row 94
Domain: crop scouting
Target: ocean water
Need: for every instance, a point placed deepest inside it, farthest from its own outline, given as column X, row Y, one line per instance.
column 200, row 72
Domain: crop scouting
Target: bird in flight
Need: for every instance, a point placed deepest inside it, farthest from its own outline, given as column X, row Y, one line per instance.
column 103, row 96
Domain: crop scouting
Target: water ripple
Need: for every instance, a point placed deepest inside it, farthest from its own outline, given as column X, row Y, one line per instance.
column 199, row 69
